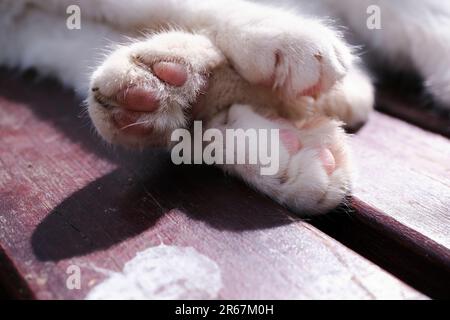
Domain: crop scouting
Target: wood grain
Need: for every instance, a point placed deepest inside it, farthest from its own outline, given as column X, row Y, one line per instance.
column 66, row 199
column 404, row 172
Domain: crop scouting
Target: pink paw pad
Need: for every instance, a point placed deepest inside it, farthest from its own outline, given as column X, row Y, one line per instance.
column 290, row 140
column 138, row 99
column 172, row 73
column 128, row 121
column 328, row 160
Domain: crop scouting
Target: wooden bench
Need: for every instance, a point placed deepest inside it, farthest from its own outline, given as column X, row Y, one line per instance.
column 66, row 199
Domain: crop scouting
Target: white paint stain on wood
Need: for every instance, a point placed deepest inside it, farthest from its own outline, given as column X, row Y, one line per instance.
column 163, row 272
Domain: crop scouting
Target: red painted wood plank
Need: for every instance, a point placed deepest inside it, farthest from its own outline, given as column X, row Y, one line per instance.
column 404, row 172
column 66, row 201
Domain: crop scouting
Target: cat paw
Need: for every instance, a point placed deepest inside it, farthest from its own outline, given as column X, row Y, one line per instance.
column 296, row 57
column 142, row 92
column 314, row 172
column 351, row 100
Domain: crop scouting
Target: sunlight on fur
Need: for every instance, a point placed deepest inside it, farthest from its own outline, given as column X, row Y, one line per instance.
column 147, row 68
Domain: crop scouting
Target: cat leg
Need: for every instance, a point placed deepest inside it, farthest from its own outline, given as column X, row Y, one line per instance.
column 413, row 35
column 430, row 51
column 36, row 39
column 313, row 172
column 293, row 54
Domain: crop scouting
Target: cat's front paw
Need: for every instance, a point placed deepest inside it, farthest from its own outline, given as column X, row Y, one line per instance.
column 295, row 56
column 142, row 92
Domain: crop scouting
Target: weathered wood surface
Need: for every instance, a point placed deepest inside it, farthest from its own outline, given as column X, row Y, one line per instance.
column 66, row 199
column 430, row 118
column 391, row 200
column 399, row 216
column 403, row 189
column 405, row 173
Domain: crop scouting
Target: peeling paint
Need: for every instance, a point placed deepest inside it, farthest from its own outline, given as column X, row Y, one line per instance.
column 163, row 272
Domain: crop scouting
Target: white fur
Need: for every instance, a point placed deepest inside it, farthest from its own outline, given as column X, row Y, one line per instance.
column 414, row 34
column 412, row 31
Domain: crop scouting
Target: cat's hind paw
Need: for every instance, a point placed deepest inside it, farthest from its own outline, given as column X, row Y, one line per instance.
column 314, row 170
